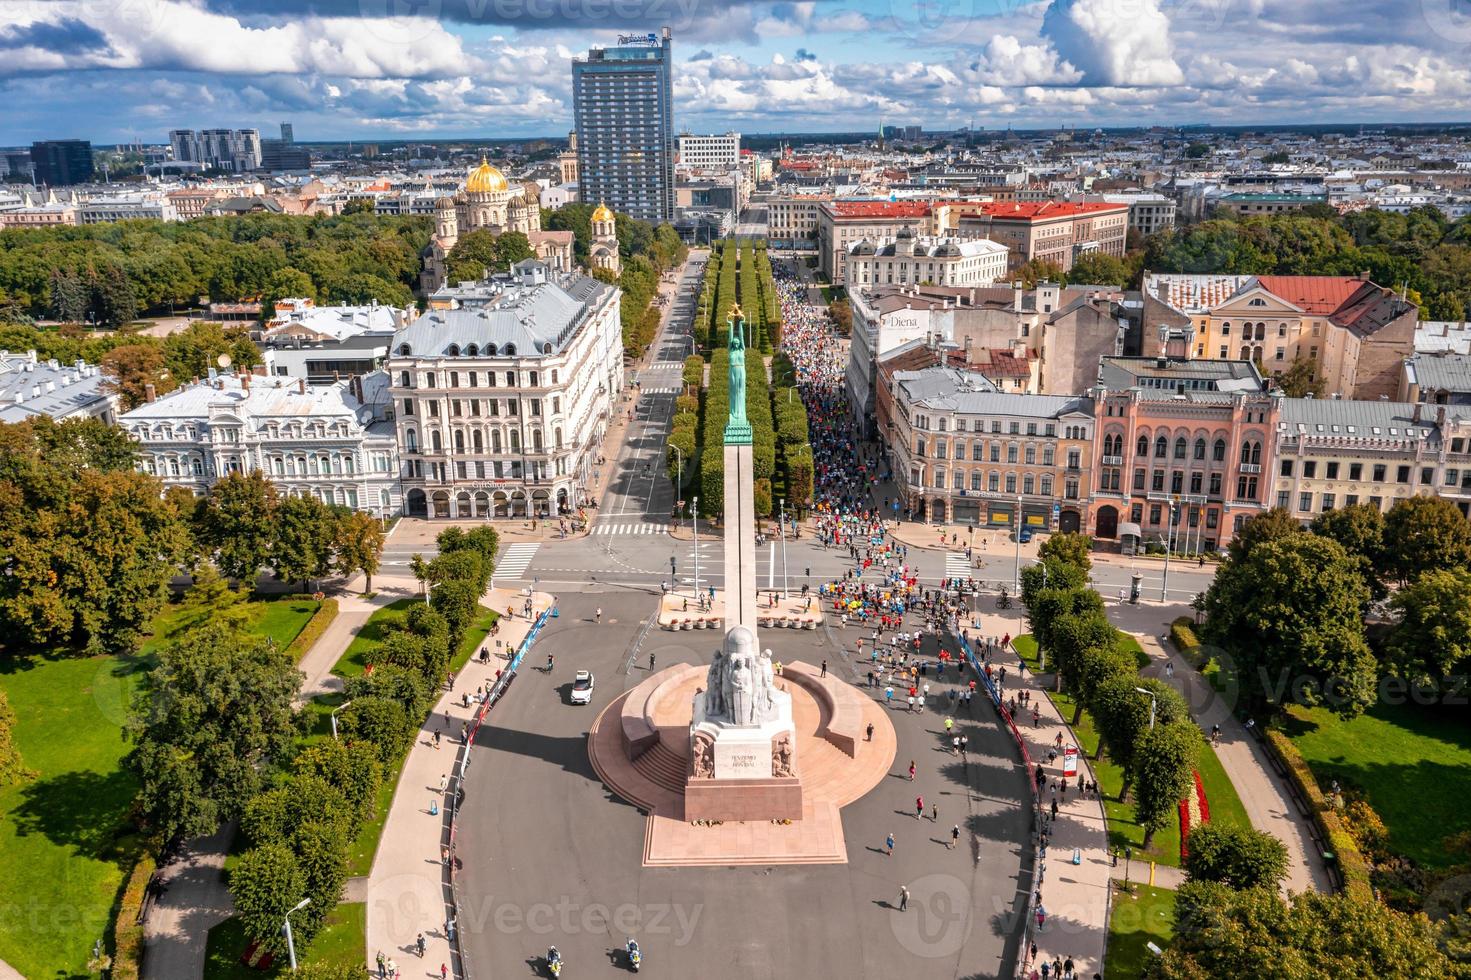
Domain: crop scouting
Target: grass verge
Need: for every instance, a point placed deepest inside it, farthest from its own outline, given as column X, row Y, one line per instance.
column 341, row 942
column 1147, row 915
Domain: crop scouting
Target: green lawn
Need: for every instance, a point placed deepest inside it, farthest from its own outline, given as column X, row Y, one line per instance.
column 355, row 659
column 1410, row 761
column 1026, row 649
column 1220, row 793
column 65, row 840
column 1148, row 915
column 281, row 619
column 342, row 941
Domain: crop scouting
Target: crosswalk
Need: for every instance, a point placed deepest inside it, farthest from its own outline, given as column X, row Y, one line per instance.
column 626, row 528
column 515, row 560
column 665, row 366
column 648, row 390
column 956, row 565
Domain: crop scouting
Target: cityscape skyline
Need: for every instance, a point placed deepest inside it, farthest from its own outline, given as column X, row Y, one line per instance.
column 347, row 72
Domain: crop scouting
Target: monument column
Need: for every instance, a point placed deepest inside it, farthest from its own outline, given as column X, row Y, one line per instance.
column 740, row 498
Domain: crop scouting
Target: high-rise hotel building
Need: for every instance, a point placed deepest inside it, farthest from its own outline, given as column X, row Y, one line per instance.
column 623, row 103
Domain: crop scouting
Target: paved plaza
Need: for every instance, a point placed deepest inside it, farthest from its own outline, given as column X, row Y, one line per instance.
column 553, row 858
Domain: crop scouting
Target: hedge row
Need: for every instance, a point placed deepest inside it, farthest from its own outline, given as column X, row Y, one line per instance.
column 313, row 630
column 770, row 299
column 1354, row 867
column 127, row 930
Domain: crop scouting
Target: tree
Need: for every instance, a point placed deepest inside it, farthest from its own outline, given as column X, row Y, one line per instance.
column 1035, row 271
column 1241, row 857
column 458, row 601
column 351, row 767
column 1050, row 575
column 1301, row 379
column 1359, row 528
column 1071, row 635
column 12, row 769
column 1069, row 549
column 215, row 712
column 266, row 884
column 1100, row 269
column 380, row 722
column 1423, row 533
column 1433, row 636
column 1163, row 772
column 1260, row 528
column 211, row 600
column 1222, row 933
column 301, row 549
column 287, row 283
column 1291, row 616
column 359, row 546
column 841, row 312
column 1196, row 151
column 1122, row 715
column 128, row 371
column 239, row 525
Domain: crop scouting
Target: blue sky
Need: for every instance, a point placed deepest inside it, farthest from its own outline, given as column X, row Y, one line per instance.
column 112, row 70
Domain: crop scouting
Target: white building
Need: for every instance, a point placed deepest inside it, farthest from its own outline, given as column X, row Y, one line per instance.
column 709, row 152
column 302, row 319
column 124, row 207
column 30, row 386
column 333, row 441
column 502, row 398
column 908, row 260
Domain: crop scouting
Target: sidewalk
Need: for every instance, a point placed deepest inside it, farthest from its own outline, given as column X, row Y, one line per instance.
column 1075, row 896
column 408, row 888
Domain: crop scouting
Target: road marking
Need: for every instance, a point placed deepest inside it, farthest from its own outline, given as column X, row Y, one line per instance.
column 659, row 391
column 515, row 560
column 956, row 565
column 635, row 528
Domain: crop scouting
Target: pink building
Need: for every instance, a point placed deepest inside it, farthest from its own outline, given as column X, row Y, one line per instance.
column 1182, row 451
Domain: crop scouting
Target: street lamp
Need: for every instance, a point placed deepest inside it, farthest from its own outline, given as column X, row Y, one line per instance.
column 696, row 515
column 1164, row 588
column 1017, row 584
column 333, row 717
column 783, row 520
column 679, row 484
column 290, row 943
column 1152, row 702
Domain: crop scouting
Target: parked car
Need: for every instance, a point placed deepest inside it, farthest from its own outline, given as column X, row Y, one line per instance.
column 1026, row 535
column 582, row 685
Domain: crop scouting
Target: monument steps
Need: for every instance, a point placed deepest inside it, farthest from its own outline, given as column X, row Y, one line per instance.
column 662, row 768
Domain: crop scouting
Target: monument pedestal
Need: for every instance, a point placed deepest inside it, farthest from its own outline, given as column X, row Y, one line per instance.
column 743, row 772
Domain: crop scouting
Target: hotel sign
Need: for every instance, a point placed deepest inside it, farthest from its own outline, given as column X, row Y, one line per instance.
column 649, row 39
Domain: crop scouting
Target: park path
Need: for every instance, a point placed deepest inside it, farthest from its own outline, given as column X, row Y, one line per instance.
column 1263, row 794
column 1074, row 896
column 408, row 889
column 8, row 972
column 196, row 898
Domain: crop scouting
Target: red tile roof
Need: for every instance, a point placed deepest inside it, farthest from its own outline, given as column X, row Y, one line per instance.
column 881, row 209
column 1313, row 294
column 1045, row 210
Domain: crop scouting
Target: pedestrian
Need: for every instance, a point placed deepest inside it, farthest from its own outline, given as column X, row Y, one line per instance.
column 1041, row 918
column 443, row 781
column 419, row 945
column 443, row 972
column 911, row 770
column 393, row 969
column 382, row 965
column 598, row 616
column 919, row 808
column 868, row 733
column 651, row 661
column 1036, row 717
column 1170, row 669
column 1046, row 970
column 1054, row 808
column 903, row 897
column 889, row 845
column 949, row 724
column 935, row 812
column 955, row 836
column 824, row 668
column 955, row 745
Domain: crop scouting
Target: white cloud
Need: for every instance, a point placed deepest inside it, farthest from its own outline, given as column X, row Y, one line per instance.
column 1114, row 42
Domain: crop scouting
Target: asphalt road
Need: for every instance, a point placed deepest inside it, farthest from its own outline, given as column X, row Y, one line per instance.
column 551, row 857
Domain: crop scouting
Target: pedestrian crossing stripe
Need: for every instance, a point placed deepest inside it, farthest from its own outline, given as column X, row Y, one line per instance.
column 665, row 366
column 956, row 565
column 625, row 528
column 515, row 560
column 660, row 391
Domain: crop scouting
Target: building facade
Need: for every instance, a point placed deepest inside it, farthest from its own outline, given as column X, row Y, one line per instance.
column 710, row 152
column 501, row 401
column 623, row 104
column 488, row 202
column 909, row 260
column 30, row 386
column 58, row 163
column 1049, row 231
column 791, row 220
column 842, row 224
column 964, row 453
column 1183, row 451
column 333, row 442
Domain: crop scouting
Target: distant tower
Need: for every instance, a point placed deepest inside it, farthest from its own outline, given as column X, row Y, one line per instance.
column 287, row 136
column 447, row 225
column 604, row 250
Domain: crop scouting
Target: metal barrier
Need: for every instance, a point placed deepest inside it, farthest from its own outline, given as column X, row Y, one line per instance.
column 1038, row 863
column 462, row 764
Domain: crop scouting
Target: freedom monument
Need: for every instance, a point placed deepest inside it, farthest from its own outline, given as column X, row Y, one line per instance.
column 712, row 752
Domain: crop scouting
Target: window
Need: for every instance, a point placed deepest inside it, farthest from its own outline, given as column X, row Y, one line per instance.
column 1305, row 501
column 919, row 447
column 1332, row 471
column 1226, row 329
column 1139, row 481
column 1451, row 477
column 1284, row 498
column 939, row 449
column 959, row 481
column 1180, row 448
column 1161, row 447
column 1200, row 449
column 994, row 482
column 1286, row 467
column 1011, row 483
column 1154, row 513
column 474, row 379
column 434, row 409
column 1011, row 453
column 1027, row 484
column 995, row 452
column 1351, row 500
column 454, row 377
column 1379, row 472
column 1328, row 501
column 1015, row 428
column 1251, row 452
column 1074, row 458
column 1031, row 428
column 1143, row 447
column 1402, row 474
column 1157, row 481
column 1032, row 455
column 975, row 480
column 1195, row 480
column 976, row 449
column 1177, row 482
column 1246, row 487
column 1355, row 471
column 1218, row 451
column 1309, row 469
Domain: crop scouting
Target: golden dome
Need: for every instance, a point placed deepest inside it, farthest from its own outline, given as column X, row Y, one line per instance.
column 486, row 179
column 602, row 213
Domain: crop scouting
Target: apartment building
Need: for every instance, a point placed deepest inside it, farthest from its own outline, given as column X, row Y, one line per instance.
column 715, row 152
column 907, row 259
column 842, row 224
column 1052, row 231
column 792, row 220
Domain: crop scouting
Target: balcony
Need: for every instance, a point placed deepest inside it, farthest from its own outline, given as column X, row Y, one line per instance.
column 1113, row 461
column 1251, row 467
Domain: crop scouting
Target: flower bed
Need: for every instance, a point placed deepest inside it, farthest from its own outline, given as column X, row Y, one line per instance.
column 1194, row 810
